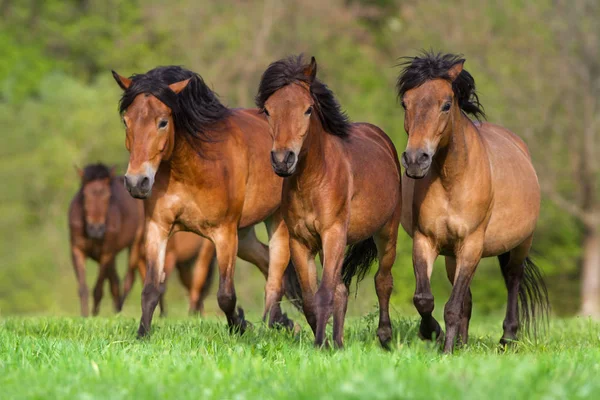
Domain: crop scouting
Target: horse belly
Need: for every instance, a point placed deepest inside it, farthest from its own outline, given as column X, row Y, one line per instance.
column 516, row 203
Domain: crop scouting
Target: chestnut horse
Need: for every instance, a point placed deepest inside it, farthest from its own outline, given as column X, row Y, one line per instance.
column 342, row 187
column 470, row 191
column 203, row 167
column 192, row 256
column 103, row 220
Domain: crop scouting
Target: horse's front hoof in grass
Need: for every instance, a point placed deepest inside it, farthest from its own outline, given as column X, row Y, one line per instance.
column 385, row 337
column 239, row 325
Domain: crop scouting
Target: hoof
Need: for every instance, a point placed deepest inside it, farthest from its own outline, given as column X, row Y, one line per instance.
column 507, row 343
column 142, row 332
column 240, row 325
column 283, row 322
column 427, row 332
column 385, row 337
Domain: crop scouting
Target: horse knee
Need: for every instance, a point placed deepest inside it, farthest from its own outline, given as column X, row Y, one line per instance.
column 424, row 303
column 83, row 292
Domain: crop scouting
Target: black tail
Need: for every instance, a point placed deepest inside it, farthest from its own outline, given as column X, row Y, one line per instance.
column 534, row 305
column 359, row 258
column 291, row 286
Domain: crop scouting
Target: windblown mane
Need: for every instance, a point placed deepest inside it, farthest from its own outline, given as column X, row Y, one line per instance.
column 94, row 172
column 429, row 65
column 291, row 70
column 194, row 109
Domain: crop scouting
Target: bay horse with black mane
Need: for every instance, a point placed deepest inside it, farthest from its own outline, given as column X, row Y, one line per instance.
column 103, row 220
column 202, row 167
column 470, row 191
column 342, row 187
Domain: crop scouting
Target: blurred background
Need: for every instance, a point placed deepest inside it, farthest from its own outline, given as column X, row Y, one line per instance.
column 536, row 65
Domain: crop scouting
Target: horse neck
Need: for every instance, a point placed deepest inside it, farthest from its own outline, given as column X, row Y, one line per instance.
column 311, row 161
column 464, row 152
column 182, row 156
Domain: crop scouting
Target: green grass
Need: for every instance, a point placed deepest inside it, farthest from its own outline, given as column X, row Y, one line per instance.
column 63, row 358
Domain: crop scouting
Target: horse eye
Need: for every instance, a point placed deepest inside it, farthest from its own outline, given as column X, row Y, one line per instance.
column 124, row 122
column 264, row 110
column 446, row 107
column 403, row 104
column 308, row 111
column 162, row 124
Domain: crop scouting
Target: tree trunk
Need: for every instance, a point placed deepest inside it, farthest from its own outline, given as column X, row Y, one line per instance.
column 590, row 277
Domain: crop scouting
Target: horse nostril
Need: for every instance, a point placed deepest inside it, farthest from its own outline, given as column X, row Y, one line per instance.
column 404, row 160
column 423, row 158
column 145, row 183
column 290, row 157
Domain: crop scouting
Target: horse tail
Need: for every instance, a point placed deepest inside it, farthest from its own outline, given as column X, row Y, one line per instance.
column 359, row 258
column 534, row 305
column 291, row 286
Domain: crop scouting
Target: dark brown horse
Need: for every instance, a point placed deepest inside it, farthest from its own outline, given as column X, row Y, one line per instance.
column 192, row 256
column 103, row 220
column 203, row 167
column 470, row 191
column 342, row 187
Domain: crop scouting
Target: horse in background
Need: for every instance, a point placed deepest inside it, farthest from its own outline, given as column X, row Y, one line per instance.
column 203, row 167
column 341, row 187
column 470, row 191
column 192, row 256
column 103, row 220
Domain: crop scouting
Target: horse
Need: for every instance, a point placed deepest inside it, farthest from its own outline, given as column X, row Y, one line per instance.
column 203, row 167
column 470, row 191
column 342, row 187
column 192, row 256
column 103, row 220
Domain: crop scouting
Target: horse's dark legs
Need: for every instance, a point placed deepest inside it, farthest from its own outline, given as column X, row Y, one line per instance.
column 467, row 260
column 154, row 282
column 199, row 286
column 463, row 331
column 226, row 244
column 304, row 262
column 512, row 266
column 78, row 258
column 384, row 282
column 334, row 244
column 424, row 254
column 106, row 264
column 113, row 279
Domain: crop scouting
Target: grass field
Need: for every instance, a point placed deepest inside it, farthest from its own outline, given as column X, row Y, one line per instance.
column 63, row 358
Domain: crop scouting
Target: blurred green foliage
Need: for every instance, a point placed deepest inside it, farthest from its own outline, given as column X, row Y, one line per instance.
column 58, row 107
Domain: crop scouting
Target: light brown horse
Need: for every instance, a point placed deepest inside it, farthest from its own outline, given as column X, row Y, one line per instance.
column 470, row 191
column 342, row 188
column 103, row 220
column 192, row 256
column 203, row 167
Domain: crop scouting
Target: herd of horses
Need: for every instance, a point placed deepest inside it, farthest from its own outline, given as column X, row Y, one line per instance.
column 323, row 186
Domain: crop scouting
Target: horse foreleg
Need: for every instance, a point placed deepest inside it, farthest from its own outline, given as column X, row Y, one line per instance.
column 113, row 279
column 226, row 245
column 304, row 263
column 279, row 259
column 467, row 259
column 154, row 282
column 78, row 258
column 106, row 263
column 334, row 244
column 424, row 254
column 199, row 286
column 465, row 318
column 169, row 266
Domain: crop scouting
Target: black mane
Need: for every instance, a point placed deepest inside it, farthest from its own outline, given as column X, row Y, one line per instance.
column 94, row 172
column 194, row 108
column 291, row 70
column 430, row 65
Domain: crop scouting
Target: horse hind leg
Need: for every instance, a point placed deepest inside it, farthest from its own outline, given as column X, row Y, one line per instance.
column 384, row 282
column 463, row 330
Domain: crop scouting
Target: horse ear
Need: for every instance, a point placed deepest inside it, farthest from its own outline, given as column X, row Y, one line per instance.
column 78, row 170
column 310, row 71
column 123, row 82
column 456, row 69
column 179, row 86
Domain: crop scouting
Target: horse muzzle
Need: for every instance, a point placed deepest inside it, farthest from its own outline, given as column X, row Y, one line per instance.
column 284, row 162
column 95, row 231
column 139, row 185
column 416, row 163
